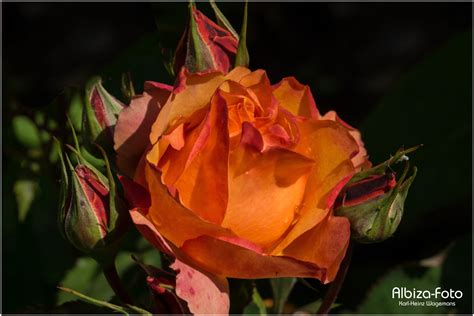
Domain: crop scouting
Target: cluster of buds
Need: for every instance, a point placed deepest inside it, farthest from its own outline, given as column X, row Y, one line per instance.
column 374, row 199
column 93, row 216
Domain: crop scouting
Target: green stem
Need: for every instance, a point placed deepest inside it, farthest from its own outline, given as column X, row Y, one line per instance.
column 110, row 273
column 336, row 285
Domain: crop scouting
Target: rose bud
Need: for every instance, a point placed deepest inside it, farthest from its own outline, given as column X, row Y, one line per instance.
column 204, row 45
column 100, row 115
column 162, row 285
column 374, row 205
column 92, row 217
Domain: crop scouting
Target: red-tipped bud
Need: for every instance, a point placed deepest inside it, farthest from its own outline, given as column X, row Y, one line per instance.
column 100, row 115
column 92, row 217
column 374, row 200
column 205, row 46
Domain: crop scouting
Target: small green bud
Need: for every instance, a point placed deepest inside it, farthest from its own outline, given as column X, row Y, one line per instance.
column 374, row 202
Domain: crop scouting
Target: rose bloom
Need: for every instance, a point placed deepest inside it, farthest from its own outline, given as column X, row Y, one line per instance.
column 239, row 177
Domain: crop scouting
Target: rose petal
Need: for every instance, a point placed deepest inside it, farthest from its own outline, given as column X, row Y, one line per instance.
column 330, row 146
column 323, row 245
column 231, row 260
column 199, row 88
column 202, row 186
column 251, row 136
column 173, row 220
column 237, row 73
column 204, row 293
column 258, row 82
column 264, row 191
column 148, row 230
column 295, row 97
column 361, row 159
column 134, row 125
column 135, row 194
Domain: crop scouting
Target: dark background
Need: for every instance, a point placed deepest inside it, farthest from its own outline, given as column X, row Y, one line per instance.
column 373, row 63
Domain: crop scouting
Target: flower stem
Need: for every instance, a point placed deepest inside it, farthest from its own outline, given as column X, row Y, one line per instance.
column 110, row 273
column 336, row 285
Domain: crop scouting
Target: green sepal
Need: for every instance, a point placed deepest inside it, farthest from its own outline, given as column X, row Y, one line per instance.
column 222, row 20
column 113, row 212
column 242, row 58
column 382, row 167
column 63, row 189
column 128, row 90
column 199, row 60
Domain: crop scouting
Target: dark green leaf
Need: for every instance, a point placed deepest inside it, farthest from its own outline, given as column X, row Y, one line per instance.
column 87, row 277
column 26, row 132
column 25, row 190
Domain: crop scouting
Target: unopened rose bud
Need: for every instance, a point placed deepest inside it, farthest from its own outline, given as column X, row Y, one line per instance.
column 162, row 286
column 205, row 45
column 100, row 115
column 374, row 205
column 92, row 217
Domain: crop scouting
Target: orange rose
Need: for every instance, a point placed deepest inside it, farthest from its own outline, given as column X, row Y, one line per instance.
column 241, row 175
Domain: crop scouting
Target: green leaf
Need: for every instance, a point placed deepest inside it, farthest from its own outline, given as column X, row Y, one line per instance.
column 87, row 277
column 379, row 298
column 25, row 190
column 256, row 306
column 242, row 58
column 26, row 132
column 281, row 288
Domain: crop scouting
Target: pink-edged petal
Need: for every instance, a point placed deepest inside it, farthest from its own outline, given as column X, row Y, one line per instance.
column 134, row 125
column 205, row 293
